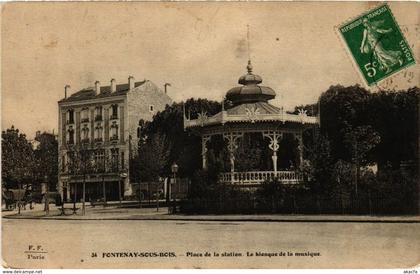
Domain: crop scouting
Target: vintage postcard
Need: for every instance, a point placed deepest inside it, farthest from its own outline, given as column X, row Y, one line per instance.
column 210, row 135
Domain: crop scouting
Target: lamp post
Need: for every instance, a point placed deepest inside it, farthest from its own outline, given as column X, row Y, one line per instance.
column 62, row 199
column 19, row 202
column 103, row 179
column 85, row 159
column 47, row 202
column 123, row 175
column 74, row 197
column 174, row 169
column 72, row 172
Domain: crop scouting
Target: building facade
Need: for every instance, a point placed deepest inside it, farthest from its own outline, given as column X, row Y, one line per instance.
column 99, row 129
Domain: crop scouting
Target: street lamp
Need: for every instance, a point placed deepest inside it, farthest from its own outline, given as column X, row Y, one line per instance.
column 174, row 169
column 123, row 175
column 47, row 199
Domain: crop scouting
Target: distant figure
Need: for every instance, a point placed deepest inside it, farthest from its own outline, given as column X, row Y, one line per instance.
column 371, row 42
column 291, row 166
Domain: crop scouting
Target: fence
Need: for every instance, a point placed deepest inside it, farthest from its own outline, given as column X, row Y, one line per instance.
column 298, row 204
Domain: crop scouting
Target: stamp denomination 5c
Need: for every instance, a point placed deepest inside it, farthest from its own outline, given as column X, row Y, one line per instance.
column 377, row 44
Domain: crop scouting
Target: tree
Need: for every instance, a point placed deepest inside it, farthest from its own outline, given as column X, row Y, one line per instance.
column 153, row 158
column 17, row 158
column 342, row 107
column 319, row 170
column 184, row 147
column 359, row 142
column 46, row 155
column 394, row 115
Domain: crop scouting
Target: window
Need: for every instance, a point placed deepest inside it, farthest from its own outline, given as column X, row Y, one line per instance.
column 114, row 112
column 70, row 135
column 85, row 134
column 98, row 113
column 122, row 160
column 151, row 108
column 71, row 162
column 63, row 163
column 99, row 158
column 98, row 132
column 70, row 116
column 114, row 131
column 114, row 159
column 85, row 115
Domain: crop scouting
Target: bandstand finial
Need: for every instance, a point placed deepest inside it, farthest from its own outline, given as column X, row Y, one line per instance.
column 249, row 66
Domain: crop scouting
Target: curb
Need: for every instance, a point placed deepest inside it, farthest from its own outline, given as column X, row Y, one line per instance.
column 219, row 220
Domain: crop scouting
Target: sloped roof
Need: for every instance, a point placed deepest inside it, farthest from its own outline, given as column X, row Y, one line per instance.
column 89, row 93
column 260, row 107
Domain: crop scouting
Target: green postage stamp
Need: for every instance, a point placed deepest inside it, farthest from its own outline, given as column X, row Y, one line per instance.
column 377, row 44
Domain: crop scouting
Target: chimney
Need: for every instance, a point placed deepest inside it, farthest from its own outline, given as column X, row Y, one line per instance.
column 97, row 87
column 66, row 91
column 113, row 86
column 166, row 87
column 130, row 82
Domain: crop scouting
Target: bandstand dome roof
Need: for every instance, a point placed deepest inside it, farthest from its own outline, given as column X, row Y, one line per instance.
column 250, row 91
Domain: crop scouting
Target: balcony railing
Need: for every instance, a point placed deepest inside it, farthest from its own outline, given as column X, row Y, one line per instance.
column 113, row 138
column 257, row 177
column 113, row 117
column 84, row 120
column 85, row 141
column 98, row 140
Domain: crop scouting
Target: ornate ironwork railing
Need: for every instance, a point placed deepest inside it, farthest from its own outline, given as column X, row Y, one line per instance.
column 257, row 177
column 223, row 117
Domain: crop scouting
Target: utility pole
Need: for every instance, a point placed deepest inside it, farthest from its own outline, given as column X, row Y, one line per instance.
column 157, row 197
column 47, row 198
column 74, row 197
column 85, row 159
column 119, row 190
column 103, row 180
column 72, row 170
column 84, row 194
column 19, row 202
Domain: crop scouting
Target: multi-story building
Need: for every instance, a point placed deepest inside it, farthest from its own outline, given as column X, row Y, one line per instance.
column 99, row 129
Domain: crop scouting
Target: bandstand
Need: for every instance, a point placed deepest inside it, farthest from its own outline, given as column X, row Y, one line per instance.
column 250, row 112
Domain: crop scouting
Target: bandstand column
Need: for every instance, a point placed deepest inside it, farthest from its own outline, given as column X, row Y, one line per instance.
column 232, row 138
column 300, row 148
column 274, row 137
column 204, row 140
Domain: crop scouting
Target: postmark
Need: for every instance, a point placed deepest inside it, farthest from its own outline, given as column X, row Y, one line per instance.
column 377, row 45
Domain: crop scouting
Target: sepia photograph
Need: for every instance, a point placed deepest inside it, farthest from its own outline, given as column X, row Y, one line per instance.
column 210, row 135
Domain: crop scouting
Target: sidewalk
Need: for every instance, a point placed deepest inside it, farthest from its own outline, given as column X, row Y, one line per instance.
column 114, row 212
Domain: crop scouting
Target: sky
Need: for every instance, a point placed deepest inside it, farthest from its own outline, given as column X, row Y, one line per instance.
column 200, row 48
